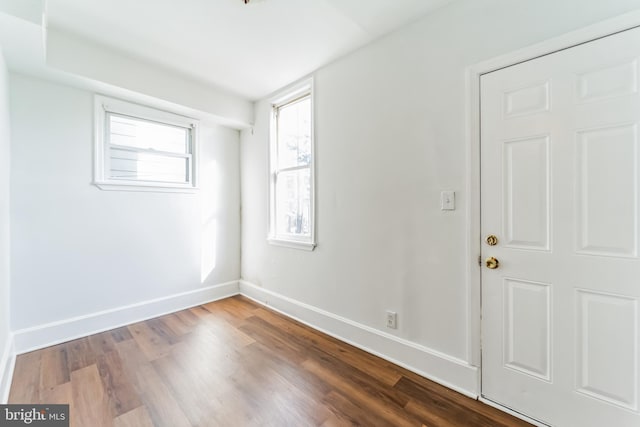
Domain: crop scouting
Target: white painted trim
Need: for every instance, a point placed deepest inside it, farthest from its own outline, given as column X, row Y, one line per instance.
column 291, row 92
column 7, row 364
column 103, row 105
column 473, row 73
column 473, row 222
column 139, row 186
column 449, row 371
column 307, row 246
column 41, row 336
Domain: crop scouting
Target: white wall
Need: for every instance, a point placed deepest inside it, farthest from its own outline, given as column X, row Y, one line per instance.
column 390, row 135
column 5, row 167
column 77, row 250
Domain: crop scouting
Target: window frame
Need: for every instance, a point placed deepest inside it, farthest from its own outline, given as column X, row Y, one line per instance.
column 284, row 98
column 103, row 106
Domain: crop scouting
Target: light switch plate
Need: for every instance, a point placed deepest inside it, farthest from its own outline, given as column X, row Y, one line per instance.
column 448, row 200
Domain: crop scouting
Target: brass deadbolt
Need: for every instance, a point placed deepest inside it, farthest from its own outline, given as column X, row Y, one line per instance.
column 492, row 240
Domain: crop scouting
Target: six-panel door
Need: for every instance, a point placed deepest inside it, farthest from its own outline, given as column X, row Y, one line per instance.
column 559, row 167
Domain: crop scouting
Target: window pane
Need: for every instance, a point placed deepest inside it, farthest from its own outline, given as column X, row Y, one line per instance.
column 293, row 203
column 294, row 134
column 139, row 133
column 132, row 165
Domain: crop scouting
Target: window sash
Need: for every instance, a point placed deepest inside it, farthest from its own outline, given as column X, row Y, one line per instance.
column 187, row 129
column 278, row 198
column 278, row 142
column 109, row 157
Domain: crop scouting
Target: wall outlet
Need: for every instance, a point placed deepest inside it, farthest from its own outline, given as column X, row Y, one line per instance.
column 392, row 319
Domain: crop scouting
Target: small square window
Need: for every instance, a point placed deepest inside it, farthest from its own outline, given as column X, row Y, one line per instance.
column 144, row 149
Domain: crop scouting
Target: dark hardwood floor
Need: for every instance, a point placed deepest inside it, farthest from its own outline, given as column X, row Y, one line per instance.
column 234, row 363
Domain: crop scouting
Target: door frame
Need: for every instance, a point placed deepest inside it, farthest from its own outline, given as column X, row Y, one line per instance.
column 583, row 35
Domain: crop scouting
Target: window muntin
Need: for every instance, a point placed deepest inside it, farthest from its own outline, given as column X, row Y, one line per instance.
column 292, row 190
column 143, row 148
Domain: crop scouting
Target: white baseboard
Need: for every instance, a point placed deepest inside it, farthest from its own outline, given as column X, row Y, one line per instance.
column 439, row 367
column 7, row 363
column 41, row 336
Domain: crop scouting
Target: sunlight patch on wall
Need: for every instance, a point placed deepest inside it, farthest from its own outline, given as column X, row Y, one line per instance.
column 210, row 189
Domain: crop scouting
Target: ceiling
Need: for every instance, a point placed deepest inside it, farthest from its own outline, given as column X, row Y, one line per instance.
column 250, row 50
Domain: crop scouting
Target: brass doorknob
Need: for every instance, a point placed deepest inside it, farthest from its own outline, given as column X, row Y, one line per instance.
column 492, row 263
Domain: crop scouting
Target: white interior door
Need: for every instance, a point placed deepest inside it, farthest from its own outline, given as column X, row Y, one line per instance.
column 559, row 190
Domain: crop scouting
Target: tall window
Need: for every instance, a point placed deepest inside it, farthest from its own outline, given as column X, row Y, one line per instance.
column 292, row 187
column 142, row 148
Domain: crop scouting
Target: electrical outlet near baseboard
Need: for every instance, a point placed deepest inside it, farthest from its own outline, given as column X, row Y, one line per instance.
column 392, row 319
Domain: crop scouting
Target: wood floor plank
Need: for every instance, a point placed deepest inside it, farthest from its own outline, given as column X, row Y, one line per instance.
column 177, row 326
column 284, row 389
column 350, row 412
column 101, row 343
column 430, row 417
column 57, row 395
column 201, row 313
column 188, row 317
column 80, row 354
column 269, row 336
column 319, row 353
column 234, row 363
column 120, row 334
column 152, row 391
column 358, row 359
column 241, row 307
column 54, row 368
column 435, row 399
column 91, row 404
column 25, row 387
column 438, row 407
column 151, row 344
column 161, row 404
column 212, row 327
column 60, row 395
column 335, row 421
column 161, row 329
column 219, row 312
column 188, row 390
column 138, row 417
column 116, row 383
column 366, row 383
column 235, row 312
column 201, row 373
column 384, row 409
column 300, row 379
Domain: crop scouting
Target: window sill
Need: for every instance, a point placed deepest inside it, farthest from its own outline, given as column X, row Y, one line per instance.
column 305, row 246
column 136, row 186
